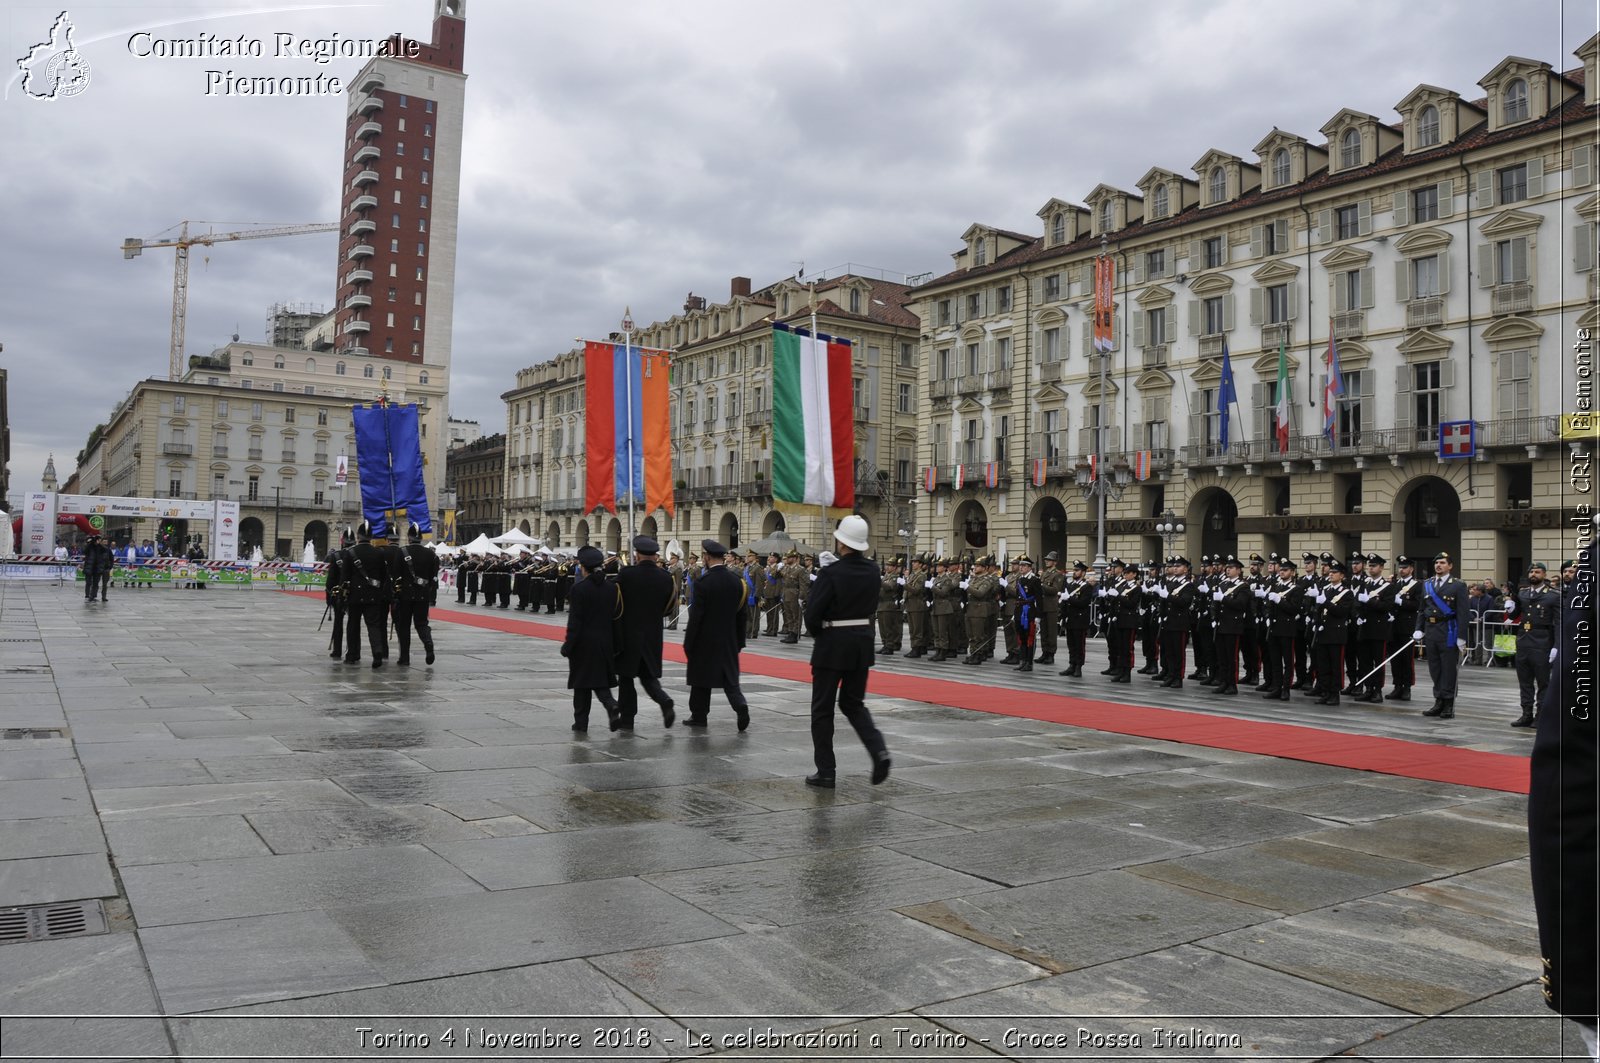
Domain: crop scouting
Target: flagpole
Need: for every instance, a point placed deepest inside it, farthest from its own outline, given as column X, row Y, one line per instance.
column 822, row 384
column 627, row 350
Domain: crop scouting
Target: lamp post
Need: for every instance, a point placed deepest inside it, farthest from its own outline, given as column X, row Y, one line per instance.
column 277, row 516
column 1100, row 486
column 1170, row 528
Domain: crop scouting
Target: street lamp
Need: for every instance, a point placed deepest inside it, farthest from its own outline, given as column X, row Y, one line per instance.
column 1101, row 486
column 1170, row 528
column 277, row 516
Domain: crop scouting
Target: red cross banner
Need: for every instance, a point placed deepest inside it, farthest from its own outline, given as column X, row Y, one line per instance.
column 1457, row 439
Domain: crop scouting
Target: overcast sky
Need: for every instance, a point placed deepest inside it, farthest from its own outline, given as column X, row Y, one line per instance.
column 627, row 152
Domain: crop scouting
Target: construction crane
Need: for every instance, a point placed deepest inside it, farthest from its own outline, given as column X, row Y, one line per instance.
column 132, row 247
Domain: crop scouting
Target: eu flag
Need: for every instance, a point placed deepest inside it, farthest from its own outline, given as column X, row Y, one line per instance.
column 1226, row 394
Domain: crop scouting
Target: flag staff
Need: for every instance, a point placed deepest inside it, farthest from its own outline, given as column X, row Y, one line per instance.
column 627, row 349
column 822, row 383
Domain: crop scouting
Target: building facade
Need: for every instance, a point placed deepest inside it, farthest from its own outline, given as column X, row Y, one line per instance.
column 1449, row 256
column 273, row 451
column 476, row 472
column 400, row 197
column 721, row 421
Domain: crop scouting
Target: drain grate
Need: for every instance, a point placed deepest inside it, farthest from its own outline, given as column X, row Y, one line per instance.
column 32, row 732
column 42, row 921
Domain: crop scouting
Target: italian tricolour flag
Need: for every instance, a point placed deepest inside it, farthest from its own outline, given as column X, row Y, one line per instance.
column 813, row 442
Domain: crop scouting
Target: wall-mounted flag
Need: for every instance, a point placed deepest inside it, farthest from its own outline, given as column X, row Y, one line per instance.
column 958, row 476
column 1141, row 465
column 1039, row 467
column 930, row 478
column 991, row 475
column 1457, row 439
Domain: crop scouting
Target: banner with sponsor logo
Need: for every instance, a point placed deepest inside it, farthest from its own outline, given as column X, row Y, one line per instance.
column 225, row 529
column 38, row 523
column 11, row 570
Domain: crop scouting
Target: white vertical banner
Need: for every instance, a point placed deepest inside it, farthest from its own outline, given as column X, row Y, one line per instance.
column 341, row 469
column 39, row 522
column 225, row 531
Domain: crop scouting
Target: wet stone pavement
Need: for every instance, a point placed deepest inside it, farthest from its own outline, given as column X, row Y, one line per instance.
column 300, row 858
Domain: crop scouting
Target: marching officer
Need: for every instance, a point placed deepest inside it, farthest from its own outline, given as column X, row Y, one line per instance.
column 588, row 647
column 416, row 588
column 1076, row 598
column 1443, row 634
column 1407, row 603
column 918, row 600
column 1052, row 581
column 891, row 593
column 714, row 638
column 334, row 592
column 1336, row 606
column 1534, row 611
column 646, row 599
column 370, row 580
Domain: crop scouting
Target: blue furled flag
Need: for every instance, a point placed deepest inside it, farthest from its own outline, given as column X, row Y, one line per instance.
column 389, row 462
column 1332, row 390
column 1226, row 394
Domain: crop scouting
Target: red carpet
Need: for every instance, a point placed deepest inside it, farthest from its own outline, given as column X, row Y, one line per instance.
column 1387, row 756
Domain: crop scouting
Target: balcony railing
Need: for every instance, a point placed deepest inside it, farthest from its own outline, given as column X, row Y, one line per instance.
column 755, row 489
column 1349, row 324
column 369, row 129
column 1049, row 371
column 941, row 389
column 1276, row 334
column 974, row 471
column 1519, row 431
column 177, row 450
column 1087, row 442
column 536, row 457
column 288, row 456
column 1423, row 313
column 970, row 384
column 219, row 452
column 757, row 418
column 1154, row 356
column 1211, row 346
column 524, row 461
column 319, row 458
column 1511, row 298
column 369, row 105
column 254, row 454
column 863, row 413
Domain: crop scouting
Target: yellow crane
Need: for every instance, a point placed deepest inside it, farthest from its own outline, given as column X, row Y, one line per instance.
column 132, row 247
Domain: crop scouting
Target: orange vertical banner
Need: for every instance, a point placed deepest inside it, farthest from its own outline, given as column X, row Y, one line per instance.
column 657, row 431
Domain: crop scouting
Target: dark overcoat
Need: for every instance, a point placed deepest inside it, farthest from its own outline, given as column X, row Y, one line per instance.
column 646, row 598
column 844, row 590
column 716, row 629
column 588, row 647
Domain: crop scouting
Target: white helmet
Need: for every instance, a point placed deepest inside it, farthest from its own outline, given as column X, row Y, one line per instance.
column 852, row 531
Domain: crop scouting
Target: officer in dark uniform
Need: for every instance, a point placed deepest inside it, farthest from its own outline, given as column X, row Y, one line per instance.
column 1076, row 598
column 1533, row 612
column 1302, row 652
column 1407, row 602
column 371, row 583
column 416, row 591
column 1232, row 600
column 1177, row 593
column 714, row 637
column 839, row 617
column 646, row 601
column 1283, row 626
column 334, row 592
column 1443, row 634
column 1374, row 617
column 1562, row 825
column 1030, row 591
column 1336, row 607
column 588, row 647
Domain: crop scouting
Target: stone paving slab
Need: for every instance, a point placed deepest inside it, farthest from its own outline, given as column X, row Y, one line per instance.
column 48, row 879
column 1019, row 855
column 599, row 853
column 318, row 829
column 62, row 836
column 222, row 799
column 228, row 889
column 1438, row 838
column 44, row 798
column 201, row 966
column 103, row 975
column 184, row 839
column 1043, row 923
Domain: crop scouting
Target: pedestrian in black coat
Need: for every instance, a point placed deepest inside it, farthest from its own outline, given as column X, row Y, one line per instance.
column 715, row 636
column 1562, row 820
column 588, row 647
column 335, row 593
column 416, row 591
column 646, row 599
column 97, row 565
column 838, row 615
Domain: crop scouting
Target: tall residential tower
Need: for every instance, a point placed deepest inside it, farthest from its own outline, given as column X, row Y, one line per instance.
column 400, row 195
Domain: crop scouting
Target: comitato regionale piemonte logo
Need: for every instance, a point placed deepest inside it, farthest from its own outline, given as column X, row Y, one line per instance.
column 54, row 69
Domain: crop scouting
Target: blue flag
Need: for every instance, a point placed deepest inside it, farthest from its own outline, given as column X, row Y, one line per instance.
column 389, row 463
column 1227, row 395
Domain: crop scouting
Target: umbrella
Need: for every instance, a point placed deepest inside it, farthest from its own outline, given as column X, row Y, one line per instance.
column 779, row 543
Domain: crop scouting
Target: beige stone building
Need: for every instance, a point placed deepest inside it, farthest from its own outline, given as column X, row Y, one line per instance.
column 721, row 421
column 1450, row 252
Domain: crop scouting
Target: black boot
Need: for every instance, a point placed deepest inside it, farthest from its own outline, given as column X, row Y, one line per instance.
column 1437, row 708
column 1048, row 658
column 1026, row 665
column 1400, row 694
column 1449, row 712
column 1525, row 720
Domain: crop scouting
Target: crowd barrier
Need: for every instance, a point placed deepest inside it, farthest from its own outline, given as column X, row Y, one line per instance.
column 177, row 572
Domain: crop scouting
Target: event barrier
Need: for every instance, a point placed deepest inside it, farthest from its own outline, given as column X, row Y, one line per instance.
column 178, row 572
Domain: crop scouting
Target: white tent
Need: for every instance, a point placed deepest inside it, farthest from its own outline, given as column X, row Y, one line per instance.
column 481, row 547
column 516, row 537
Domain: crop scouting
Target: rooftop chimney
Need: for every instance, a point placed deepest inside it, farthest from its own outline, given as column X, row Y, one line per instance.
column 739, row 286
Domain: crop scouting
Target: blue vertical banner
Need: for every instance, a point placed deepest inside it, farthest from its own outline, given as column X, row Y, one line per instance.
column 389, row 463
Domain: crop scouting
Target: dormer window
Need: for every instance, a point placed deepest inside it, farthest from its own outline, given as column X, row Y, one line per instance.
column 1428, row 126
column 980, row 252
column 1105, row 216
column 1280, row 167
column 1514, row 107
column 1350, row 149
column 1158, row 203
column 1217, row 185
column 855, row 300
column 1058, row 228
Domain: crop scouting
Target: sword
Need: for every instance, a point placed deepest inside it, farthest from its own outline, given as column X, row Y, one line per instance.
column 1409, row 643
column 326, row 609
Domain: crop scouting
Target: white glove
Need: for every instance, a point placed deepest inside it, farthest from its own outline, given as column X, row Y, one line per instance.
column 1461, row 644
column 1321, row 597
column 1204, row 588
column 1003, row 581
column 1261, row 592
column 1552, row 656
column 964, row 584
column 813, row 577
column 900, row 581
column 1061, row 597
column 1416, row 636
column 1100, row 592
column 1274, row 597
column 1363, row 596
column 1399, row 599
column 1216, row 596
column 1511, row 606
column 1113, row 594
